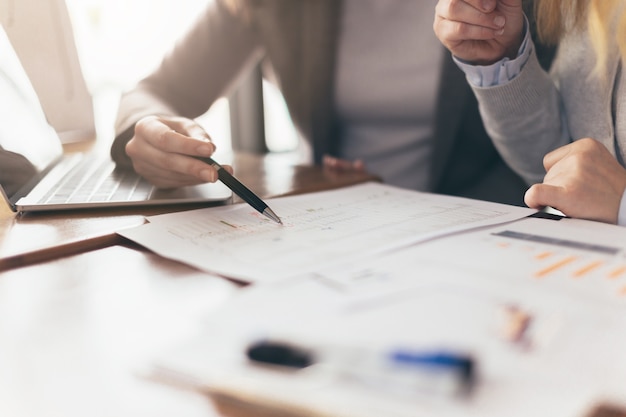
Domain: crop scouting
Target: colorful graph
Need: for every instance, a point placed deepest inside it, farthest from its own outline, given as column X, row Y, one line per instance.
column 547, row 258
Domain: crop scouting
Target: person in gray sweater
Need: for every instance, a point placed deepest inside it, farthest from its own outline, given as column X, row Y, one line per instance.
column 563, row 131
column 366, row 82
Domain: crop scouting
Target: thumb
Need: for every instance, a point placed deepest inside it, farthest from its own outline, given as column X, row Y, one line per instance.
column 543, row 195
column 512, row 34
column 513, row 13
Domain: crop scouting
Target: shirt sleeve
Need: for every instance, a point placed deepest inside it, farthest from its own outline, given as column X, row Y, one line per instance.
column 500, row 72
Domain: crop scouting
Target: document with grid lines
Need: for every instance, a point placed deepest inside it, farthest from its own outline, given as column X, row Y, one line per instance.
column 319, row 229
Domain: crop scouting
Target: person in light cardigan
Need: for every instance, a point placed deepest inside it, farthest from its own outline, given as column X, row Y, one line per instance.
column 563, row 131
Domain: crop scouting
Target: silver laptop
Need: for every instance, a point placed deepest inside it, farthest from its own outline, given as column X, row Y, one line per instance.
column 35, row 175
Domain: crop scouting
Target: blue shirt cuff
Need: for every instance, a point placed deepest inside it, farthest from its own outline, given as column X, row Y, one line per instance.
column 500, row 72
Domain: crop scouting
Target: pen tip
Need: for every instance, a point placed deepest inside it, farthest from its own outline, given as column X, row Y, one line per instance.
column 269, row 213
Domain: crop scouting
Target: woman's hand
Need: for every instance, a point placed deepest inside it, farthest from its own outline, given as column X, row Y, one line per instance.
column 583, row 180
column 162, row 151
column 481, row 32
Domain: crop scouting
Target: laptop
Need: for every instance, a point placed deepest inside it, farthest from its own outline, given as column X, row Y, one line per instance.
column 36, row 175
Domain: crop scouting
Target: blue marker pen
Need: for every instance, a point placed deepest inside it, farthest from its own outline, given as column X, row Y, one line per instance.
column 461, row 364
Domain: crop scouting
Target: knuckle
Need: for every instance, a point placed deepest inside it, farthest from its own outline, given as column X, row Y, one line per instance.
column 448, row 9
column 162, row 138
column 588, row 143
column 166, row 161
column 459, row 30
column 143, row 124
column 454, row 7
column 140, row 127
column 131, row 148
column 441, row 8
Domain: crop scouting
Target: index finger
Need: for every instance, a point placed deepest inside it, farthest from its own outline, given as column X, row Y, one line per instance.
column 187, row 127
column 161, row 134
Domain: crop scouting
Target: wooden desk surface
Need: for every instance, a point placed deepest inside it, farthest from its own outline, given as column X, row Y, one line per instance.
column 82, row 311
column 37, row 237
column 75, row 333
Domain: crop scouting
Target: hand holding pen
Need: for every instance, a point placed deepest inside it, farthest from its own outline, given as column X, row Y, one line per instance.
column 175, row 151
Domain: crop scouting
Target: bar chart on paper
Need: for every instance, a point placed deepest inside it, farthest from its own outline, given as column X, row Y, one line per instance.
column 527, row 254
column 567, row 258
column 540, row 254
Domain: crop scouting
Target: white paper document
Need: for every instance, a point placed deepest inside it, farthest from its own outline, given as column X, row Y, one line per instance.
column 531, row 257
column 320, row 229
column 540, row 304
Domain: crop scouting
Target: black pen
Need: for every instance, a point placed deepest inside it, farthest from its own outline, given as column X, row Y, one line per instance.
column 241, row 190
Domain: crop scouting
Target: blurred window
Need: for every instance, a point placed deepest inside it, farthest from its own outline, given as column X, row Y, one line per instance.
column 121, row 41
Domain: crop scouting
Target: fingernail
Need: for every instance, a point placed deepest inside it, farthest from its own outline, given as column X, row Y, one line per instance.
column 499, row 21
column 488, row 5
column 500, row 32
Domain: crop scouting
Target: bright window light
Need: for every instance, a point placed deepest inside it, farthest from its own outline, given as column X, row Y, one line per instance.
column 121, row 41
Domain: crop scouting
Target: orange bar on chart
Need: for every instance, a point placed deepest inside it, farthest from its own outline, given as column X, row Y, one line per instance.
column 617, row 273
column 585, row 270
column 546, row 271
column 544, row 255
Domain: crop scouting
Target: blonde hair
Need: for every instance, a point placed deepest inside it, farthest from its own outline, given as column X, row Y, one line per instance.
column 605, row 19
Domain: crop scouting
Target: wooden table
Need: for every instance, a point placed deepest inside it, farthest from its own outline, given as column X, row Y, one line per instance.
column 38, row 237
column 82, row 310
column 76, row 333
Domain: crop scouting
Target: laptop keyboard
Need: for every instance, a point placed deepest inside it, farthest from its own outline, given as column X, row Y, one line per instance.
column 98, row 181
